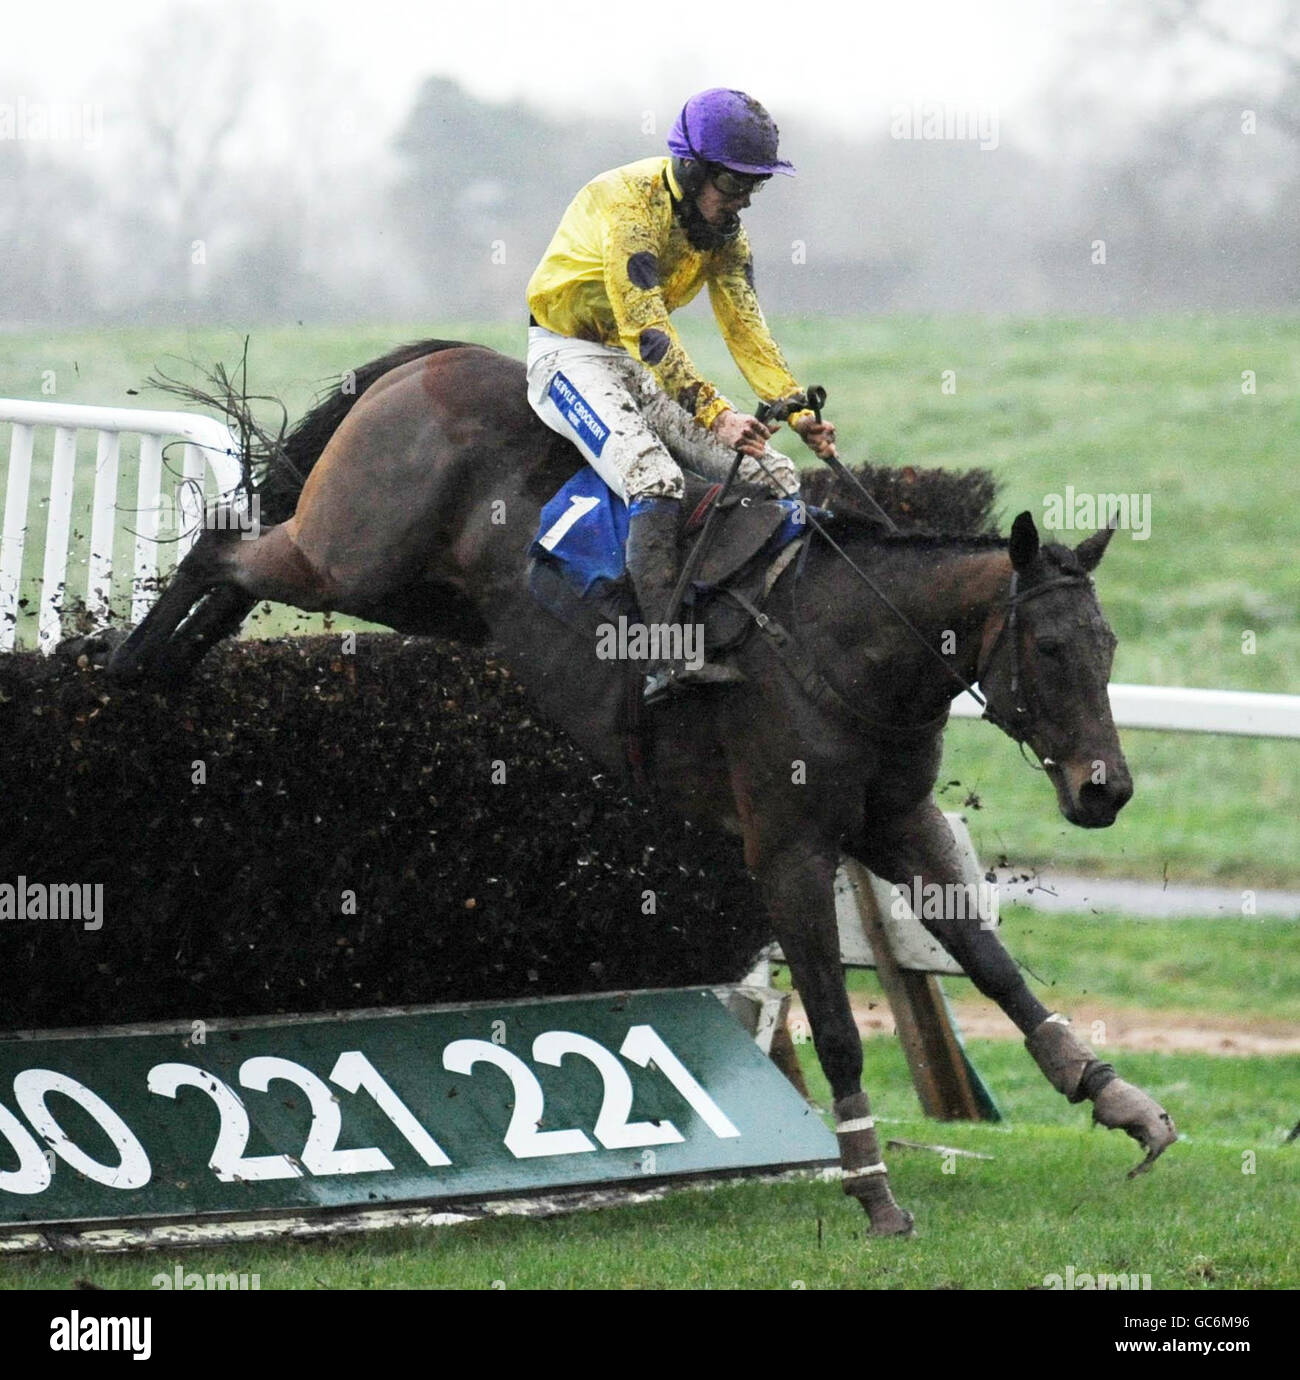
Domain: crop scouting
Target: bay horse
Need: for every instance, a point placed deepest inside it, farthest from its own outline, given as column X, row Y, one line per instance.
column 411, row 501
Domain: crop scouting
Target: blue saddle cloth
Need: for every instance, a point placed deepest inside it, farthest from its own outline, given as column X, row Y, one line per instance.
column 583, row 531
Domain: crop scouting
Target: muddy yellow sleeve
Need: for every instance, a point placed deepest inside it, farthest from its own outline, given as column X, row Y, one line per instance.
column 634, row 288
column 735, row 304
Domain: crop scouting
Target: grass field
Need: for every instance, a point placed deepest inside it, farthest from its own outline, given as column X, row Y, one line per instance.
column 1152, row 407
column 1246, row 969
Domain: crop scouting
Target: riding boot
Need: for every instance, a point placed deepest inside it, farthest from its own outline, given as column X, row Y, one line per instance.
column 652, row 564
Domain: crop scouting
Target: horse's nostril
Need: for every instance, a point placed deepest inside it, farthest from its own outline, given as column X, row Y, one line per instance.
column 1105, row 795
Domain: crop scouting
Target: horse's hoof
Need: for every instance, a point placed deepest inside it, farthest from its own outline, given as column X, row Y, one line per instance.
column 98, row 648
column 1121, row 1106
column 884, row 1214
column 892, row 1221
column 124, row 667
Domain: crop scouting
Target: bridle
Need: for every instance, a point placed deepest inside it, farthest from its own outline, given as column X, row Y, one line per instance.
column 815, row 683
column 824, row 695
column 1020, row 713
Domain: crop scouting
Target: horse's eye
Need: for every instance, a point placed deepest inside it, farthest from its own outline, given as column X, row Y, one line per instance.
column 1048, row 646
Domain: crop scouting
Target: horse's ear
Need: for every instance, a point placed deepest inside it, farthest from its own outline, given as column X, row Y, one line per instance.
column 1024, row 541
column 1091, row 549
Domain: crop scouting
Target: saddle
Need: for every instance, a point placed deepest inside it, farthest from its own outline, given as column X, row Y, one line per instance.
column 578, row 574
column 747, row 520
column 590, row 586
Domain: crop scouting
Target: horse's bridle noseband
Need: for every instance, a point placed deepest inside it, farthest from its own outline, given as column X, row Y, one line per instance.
column 1020, row 713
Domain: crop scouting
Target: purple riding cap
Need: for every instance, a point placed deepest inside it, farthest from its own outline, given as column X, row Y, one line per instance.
column 728, row 127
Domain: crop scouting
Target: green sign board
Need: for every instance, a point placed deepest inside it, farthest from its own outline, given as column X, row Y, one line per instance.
column 436, row 1105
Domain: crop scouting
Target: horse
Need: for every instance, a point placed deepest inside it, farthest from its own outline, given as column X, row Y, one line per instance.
column 411, row 500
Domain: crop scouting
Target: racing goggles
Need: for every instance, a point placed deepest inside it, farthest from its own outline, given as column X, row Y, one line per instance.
column 735, row 184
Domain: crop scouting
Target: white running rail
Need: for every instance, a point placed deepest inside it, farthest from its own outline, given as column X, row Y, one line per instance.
column 210, row 448
column 1177, row 710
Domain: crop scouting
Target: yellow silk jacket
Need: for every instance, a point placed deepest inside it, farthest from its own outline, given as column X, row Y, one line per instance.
column 619, row 264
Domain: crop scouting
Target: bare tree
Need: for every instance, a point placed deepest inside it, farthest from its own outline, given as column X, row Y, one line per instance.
column 1263, row 38
column 186, row 101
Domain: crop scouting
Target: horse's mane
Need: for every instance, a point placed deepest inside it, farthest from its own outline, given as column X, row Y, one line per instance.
column 929, row 505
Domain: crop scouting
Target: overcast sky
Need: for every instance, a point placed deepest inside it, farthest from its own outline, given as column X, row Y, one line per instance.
column 339, row 76
column 845, row 64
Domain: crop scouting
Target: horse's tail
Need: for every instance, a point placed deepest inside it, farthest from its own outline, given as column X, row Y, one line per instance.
column 289, row 465
column 276, row 466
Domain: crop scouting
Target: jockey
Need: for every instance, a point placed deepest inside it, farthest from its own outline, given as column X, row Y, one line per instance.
column 605, row 366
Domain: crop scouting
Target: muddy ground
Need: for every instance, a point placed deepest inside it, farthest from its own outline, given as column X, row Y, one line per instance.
column 1163, row 1032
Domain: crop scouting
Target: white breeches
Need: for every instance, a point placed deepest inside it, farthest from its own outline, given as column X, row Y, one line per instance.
column 630, row 431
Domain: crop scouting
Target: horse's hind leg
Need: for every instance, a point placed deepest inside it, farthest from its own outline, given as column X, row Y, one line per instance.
column 135, row 658
column 217, row 615
column 919, row 848
column 798, row 886
column 228, row 574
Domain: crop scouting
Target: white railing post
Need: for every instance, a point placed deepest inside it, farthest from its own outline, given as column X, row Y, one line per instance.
column 144, row 568
column 103, row 524
column 58, row 529
column 14, row 539
column 209, row 448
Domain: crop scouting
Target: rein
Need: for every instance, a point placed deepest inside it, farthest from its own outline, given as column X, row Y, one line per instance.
column 882, row 596
column 819, row 688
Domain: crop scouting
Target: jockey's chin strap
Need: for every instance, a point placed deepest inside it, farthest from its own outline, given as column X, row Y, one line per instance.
column 699, row 233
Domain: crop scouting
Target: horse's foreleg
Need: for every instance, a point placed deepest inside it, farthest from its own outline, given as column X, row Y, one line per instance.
column 797, row 885
column 920, row 848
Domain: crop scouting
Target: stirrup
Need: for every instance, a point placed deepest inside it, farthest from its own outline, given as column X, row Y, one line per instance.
column 666, row 681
